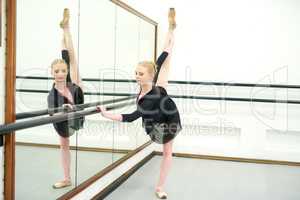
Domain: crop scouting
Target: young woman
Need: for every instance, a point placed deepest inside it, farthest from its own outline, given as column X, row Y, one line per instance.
column 66, row 91
column 159, row 113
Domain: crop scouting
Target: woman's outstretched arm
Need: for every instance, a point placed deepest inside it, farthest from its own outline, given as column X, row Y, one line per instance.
column 119, row 117
column 109, row 115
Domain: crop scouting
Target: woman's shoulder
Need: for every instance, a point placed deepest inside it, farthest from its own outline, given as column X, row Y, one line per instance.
column 74, row 86
column 155, row 93
column 52, row 95
column 52, row 91
column 160, row 89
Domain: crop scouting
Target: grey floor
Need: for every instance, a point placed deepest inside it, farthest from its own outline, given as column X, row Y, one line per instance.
column 193, row 179
column 38, row 168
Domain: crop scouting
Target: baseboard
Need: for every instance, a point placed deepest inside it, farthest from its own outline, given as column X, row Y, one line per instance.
column 79, row 148
column 235, row 159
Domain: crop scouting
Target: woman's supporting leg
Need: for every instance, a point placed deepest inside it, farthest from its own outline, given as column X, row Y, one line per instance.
column 65, row 157
column 165, row 165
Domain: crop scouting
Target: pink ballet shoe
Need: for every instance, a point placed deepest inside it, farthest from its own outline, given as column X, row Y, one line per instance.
column 171, row 18
column 65, row 21
column 161, row 195
column 62, row 184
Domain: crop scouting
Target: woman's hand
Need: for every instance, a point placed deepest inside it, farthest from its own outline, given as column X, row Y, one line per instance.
column 107, row 114
column 68, row 107
column 102, row 110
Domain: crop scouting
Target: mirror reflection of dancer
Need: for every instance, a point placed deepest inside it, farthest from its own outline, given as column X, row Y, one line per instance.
column 66, row 91
column 159, row 113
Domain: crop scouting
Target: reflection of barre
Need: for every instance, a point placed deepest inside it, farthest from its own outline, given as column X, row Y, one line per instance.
column 82, row 106
column 7, row 128
column 116, row 106
column 63, row 109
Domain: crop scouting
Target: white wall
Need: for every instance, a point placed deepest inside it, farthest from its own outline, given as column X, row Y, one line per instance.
column 234, row 40
column 2, row 91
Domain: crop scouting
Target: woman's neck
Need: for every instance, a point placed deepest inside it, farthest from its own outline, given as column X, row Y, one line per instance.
column 146, row 88
column 60, row 85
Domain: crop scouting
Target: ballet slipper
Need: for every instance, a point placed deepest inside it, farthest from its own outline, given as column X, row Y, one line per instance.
column 161, row 195
column 171, row 18
column 65, row 21
column 62, row 184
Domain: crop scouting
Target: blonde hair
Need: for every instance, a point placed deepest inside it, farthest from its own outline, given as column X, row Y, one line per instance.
column 58, row 61
column 149, row 65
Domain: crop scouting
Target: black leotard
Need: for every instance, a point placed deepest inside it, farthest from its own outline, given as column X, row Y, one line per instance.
column 56, row 99
column 160, row 116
